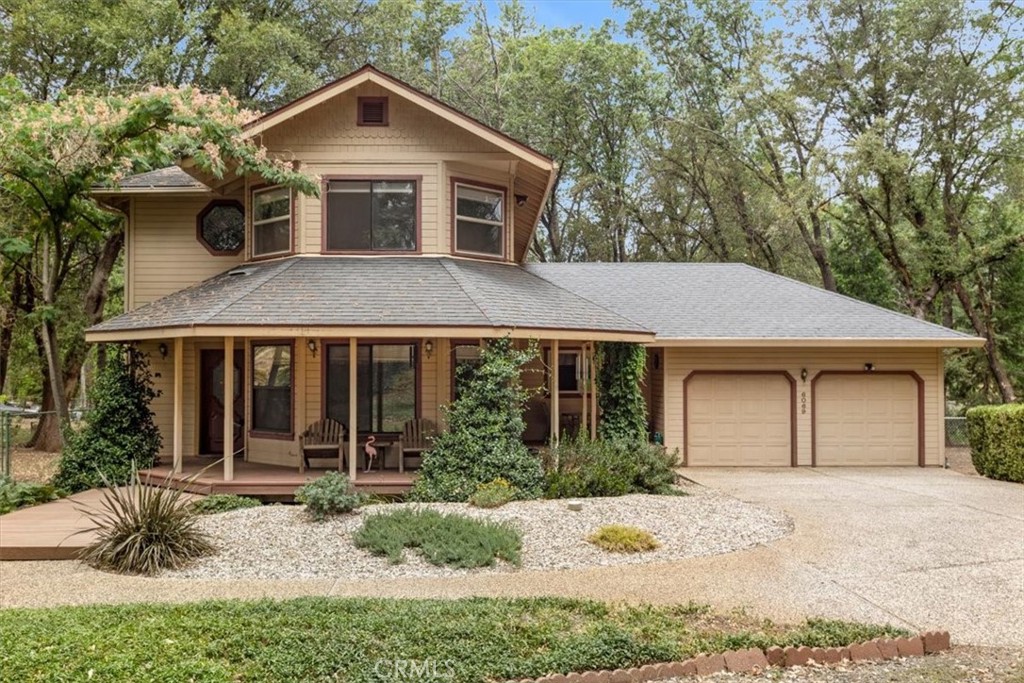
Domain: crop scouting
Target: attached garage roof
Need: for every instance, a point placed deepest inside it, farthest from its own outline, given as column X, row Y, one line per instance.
column 333, row 291
column 731, row 301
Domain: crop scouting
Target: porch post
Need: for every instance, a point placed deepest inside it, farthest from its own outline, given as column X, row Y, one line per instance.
column 584, row 387
column 593, row 395
column 179, row 412
column 555, row 430
column 229, row 408
column 353, row 424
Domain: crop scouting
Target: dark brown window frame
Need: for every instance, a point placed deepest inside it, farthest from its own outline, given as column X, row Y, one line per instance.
column 251, row 223
column 360, row 121
column 549, row 366
column 264, row 434
column 455, row 182
column 325, row 183
column 199, row 226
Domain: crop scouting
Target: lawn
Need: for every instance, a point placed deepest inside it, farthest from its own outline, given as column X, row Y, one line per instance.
column 357, row 640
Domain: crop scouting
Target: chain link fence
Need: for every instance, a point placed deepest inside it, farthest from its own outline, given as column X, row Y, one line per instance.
column 956, row 432
column 5, row 443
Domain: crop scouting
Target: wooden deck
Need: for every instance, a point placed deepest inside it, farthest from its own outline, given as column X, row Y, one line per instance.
column 206, row 475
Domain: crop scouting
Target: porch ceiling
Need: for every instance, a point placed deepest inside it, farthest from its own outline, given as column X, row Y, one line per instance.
column 313, row 295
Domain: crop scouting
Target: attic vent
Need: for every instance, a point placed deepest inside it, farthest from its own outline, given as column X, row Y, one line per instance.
column 372, row 111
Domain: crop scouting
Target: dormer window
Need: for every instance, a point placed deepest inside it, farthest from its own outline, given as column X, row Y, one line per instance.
column 479, row 219
column 271, row 221
column 371, row 215
column 372, row 111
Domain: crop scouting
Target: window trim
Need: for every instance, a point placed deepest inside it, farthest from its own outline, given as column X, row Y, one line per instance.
column 324, row 186
column 374, row 341
column 550, row 367
column 262, row 433
column 476, row 184
column 210, row 206
column 259, row 189
column 360, row 121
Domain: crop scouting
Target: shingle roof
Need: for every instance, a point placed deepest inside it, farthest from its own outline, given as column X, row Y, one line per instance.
column 351, row 291
column 172, row 176
column 729, row 300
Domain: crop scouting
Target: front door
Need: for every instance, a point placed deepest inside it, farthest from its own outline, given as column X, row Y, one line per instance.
column 211, row 402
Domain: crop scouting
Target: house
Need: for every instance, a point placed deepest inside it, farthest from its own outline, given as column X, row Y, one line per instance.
column 416, row 251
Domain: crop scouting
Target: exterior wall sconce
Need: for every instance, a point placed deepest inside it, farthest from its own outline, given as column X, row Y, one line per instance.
column 803, row 374
column 162, row 349
column 869, row 367
column 311, row 345
column 521, row 199
column 428, row 348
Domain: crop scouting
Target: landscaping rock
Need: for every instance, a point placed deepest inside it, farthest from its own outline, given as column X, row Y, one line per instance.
column 935, row 641
column 574, row 505
column 910, row 647
column 745, row 661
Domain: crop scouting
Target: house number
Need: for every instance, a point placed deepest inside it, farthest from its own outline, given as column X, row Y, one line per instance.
column 803, row 402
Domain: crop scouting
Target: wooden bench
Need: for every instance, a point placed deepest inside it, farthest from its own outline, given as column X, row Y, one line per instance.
column 417, row 437
column 323, row 439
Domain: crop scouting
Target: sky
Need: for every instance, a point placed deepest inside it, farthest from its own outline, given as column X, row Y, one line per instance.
column 586, row 13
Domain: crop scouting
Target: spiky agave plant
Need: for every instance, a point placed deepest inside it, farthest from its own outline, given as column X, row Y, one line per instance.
column 143, row 529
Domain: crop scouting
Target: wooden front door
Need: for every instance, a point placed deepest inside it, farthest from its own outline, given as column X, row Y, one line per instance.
column 211, row 402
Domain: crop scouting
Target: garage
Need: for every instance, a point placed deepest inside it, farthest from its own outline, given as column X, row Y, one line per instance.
column 739, row 419
column 866, row 419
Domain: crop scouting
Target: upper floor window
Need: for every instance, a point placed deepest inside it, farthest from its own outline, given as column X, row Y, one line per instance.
column 220, row 227
column 271, row 221
column 479, row 220
column 371, row 215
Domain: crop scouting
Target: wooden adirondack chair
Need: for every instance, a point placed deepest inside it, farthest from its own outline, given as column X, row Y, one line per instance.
column 323, row 439
column 417, row 437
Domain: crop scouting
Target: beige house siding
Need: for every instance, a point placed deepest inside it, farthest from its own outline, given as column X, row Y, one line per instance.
column 655, row 389
column 927, row 363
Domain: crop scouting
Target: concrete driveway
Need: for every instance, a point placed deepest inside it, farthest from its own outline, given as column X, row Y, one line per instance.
column 925, row 547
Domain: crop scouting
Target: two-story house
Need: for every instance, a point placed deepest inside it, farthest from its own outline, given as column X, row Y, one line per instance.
column 266, row 311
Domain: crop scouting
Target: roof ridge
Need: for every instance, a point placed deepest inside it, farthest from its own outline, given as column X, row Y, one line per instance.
column 855, row 300
column 274, row 270
column 467, row 288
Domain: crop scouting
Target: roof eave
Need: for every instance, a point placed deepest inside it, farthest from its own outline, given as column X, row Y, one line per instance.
column 856, row 342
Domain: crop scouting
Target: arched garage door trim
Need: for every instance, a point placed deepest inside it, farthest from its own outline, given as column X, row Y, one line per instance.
column 907, row 373
column 778, row 373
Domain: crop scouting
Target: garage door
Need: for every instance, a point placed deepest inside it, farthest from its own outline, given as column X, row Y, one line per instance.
column 865, row 420
column 738, row 420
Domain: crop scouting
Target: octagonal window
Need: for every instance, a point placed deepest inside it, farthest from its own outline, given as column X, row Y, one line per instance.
column 220, row 227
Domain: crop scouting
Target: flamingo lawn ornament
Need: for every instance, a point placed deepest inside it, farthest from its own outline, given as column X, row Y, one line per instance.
column 370, row 452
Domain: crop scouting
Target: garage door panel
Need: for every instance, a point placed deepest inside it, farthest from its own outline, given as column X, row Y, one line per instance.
column 737, row 420
column 866, row 420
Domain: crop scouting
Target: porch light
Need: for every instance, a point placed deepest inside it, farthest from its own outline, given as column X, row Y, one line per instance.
column 803, row 374
column 428, row 348
column 311, row 345
column 162, row 349
column 521, row 200
column 869, row 367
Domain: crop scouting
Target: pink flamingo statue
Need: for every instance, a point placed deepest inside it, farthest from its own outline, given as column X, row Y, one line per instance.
column 370, row 452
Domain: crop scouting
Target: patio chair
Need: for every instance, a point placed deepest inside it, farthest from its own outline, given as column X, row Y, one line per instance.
column 417, row 437
column 323, row 439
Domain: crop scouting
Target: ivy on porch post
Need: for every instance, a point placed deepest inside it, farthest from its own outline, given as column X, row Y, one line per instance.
column 353, row 424
column 179, row 397
column 229, row 408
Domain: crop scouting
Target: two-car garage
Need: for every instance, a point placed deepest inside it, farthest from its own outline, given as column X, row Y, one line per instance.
column 749, row 418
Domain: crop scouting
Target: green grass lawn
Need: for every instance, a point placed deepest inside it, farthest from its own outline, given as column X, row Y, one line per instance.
column 356, row 640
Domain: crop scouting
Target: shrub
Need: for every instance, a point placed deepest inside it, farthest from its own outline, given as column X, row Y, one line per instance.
column 119, row 434
column 328, row 495
column 15, row 494
column 485, row 429
column 618, row 538
column 996, row 434
column 493, row 494
column 454, row 540
column 223, row 502
column 620, row 376
column 144, row 529
column 581, row 468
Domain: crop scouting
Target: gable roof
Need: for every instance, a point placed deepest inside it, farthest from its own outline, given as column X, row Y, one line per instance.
column 733, row 303
column 354, row 292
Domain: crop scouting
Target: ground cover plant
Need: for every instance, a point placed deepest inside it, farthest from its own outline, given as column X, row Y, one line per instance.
column 583, row 468
column 443, row 539
column 355, row 640
column 223, row 502
column 19, row 494
column 329, row 495
column 619, row 538
column 493, row 494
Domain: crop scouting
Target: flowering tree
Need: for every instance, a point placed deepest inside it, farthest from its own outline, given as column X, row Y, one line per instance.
column 53, row 154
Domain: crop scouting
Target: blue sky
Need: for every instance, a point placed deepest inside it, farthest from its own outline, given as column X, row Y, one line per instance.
column 586, row 13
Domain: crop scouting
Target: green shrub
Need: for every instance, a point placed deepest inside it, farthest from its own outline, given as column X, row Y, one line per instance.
column 485, row 431
column 581, row 468
column 15, row 494
column 120, row 433
column 454, row 540
column 144, row 529
column 223, row 502
column 996, row 434
column 329, row 495
column 620, row 376
column 618, row 538
column 493, row 494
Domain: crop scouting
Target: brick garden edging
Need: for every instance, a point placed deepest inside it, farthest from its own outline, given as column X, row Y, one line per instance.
column 753, row 660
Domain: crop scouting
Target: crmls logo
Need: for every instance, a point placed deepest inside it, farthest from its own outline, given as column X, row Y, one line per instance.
column 414, row 669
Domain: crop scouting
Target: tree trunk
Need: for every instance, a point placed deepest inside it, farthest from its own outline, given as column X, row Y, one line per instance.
column 995, row 361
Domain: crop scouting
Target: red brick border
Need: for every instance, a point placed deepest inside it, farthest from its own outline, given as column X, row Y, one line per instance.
column 753, row 660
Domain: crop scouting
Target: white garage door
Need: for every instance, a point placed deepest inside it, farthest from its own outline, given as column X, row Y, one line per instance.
column 738, row 420
column 865, row 420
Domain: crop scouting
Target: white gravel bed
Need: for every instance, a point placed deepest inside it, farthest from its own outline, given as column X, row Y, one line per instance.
column 281, row 542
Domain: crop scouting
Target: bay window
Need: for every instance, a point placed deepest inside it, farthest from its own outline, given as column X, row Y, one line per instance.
column 385, row 385
column 371, row 215
column 272, row 387
column 479, row 220
column 271, row 221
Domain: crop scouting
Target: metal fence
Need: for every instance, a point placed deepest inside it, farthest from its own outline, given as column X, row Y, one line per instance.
column 956, row 431
column 5, row 444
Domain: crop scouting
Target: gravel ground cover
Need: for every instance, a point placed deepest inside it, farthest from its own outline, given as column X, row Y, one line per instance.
column 959, row 665
column 33, row 466
column 280, row 542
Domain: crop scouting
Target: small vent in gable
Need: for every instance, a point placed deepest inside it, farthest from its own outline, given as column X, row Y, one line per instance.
column 373, row 111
